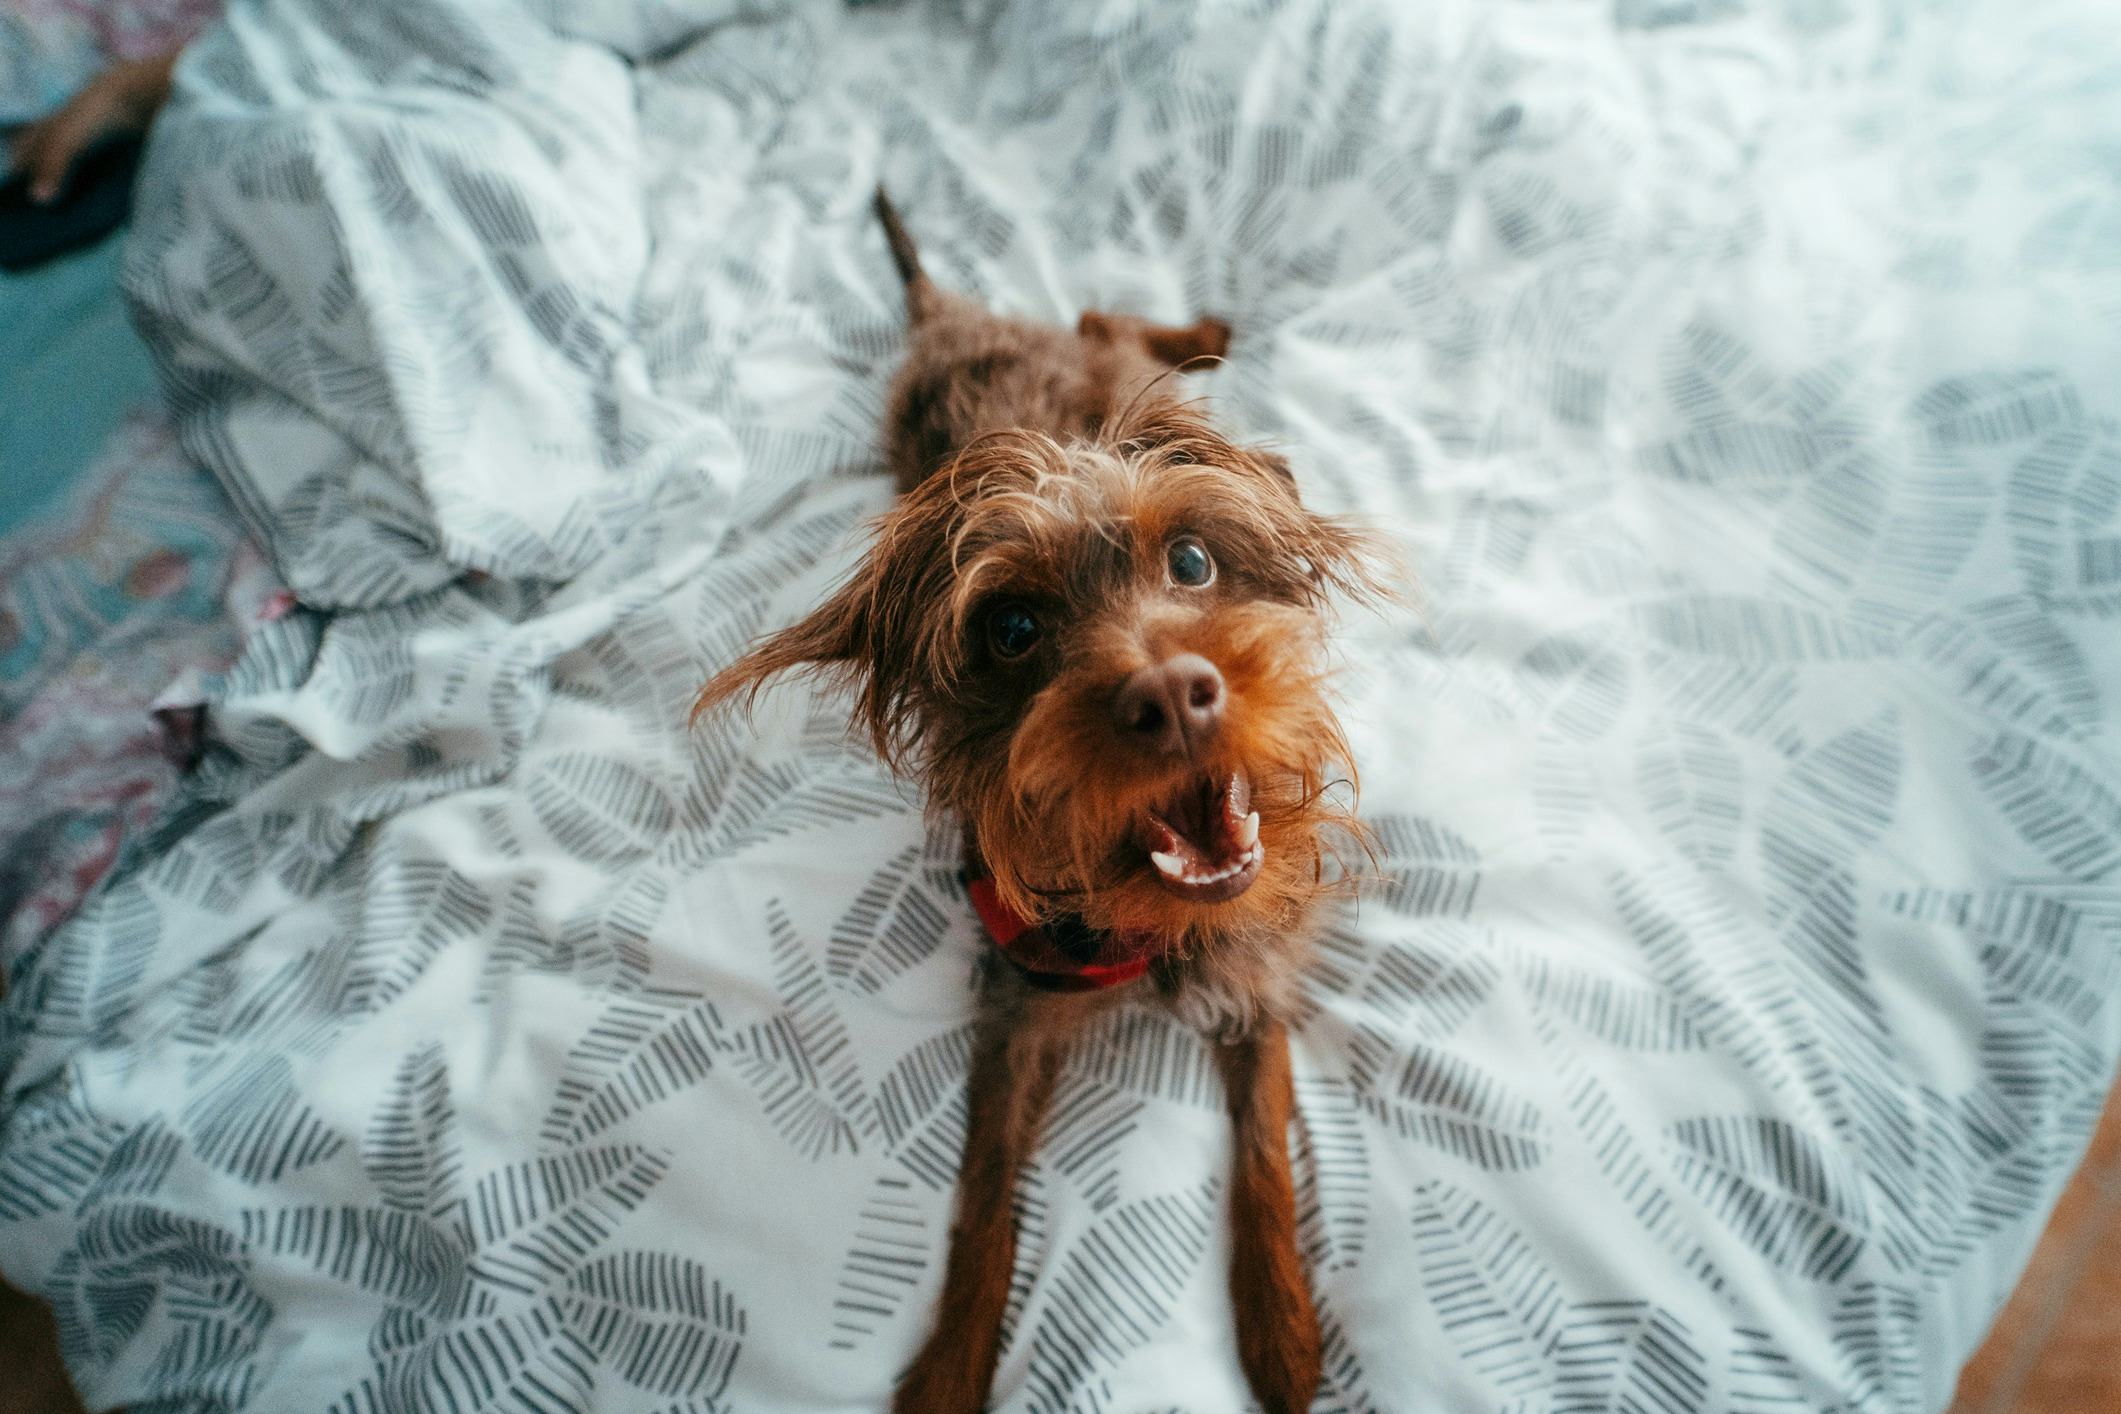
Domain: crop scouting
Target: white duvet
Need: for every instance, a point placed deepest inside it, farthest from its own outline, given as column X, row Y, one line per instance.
column 1740, row 982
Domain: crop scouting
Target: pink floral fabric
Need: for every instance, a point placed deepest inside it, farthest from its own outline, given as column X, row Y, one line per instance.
column 126, row 29
column 113, row 614
column 49, row 48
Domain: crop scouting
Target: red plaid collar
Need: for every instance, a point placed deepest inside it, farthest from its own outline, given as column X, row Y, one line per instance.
column 1062, row 956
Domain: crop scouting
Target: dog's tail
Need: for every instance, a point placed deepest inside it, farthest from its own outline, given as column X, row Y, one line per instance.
column 905, row 255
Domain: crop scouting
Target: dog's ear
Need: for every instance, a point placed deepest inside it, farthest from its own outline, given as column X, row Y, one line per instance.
column 867, row 637
column 829, row 642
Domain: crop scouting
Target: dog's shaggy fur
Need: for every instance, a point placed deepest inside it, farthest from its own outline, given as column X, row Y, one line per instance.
column 1057, row 487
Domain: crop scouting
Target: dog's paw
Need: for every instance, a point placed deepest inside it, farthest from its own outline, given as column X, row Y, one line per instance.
column 1284, row 1371
column 943, row 1379
column 1278, row 1342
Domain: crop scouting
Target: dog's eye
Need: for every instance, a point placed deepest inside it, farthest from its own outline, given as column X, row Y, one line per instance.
column 1189, row 563
column 1012, row 630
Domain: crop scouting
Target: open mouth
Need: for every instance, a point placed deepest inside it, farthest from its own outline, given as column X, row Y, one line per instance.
column 1203, row 843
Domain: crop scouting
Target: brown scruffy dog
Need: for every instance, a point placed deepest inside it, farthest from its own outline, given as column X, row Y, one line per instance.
column 1092, row 628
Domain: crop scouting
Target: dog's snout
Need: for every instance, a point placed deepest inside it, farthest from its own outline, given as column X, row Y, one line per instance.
column 1172, row 707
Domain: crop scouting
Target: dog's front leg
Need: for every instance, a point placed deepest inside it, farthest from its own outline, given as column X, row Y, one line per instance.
column 1012, row 1079
column 1277, row 1327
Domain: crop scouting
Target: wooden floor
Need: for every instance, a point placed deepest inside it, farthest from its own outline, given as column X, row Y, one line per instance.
column 31, row 1380
column 2056, row 1349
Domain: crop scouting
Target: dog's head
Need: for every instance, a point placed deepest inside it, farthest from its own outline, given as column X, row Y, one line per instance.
column 1106, row 658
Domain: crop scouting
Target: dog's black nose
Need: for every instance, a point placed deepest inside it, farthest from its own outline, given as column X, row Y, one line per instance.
column 1172, row 707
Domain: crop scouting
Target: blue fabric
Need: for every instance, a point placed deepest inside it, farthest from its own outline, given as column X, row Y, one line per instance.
column 71, row 367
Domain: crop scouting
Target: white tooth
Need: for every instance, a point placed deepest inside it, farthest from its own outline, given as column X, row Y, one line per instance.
column 1171, row 865
column 1248, row 833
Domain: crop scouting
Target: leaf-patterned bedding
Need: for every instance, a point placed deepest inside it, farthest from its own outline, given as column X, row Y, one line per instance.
column 1738, row 983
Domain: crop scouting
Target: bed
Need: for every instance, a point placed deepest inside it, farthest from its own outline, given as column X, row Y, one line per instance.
column 1736, row 987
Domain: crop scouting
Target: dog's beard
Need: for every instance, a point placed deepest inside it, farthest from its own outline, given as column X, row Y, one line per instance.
column 1093, row 853
column 1246, row 835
